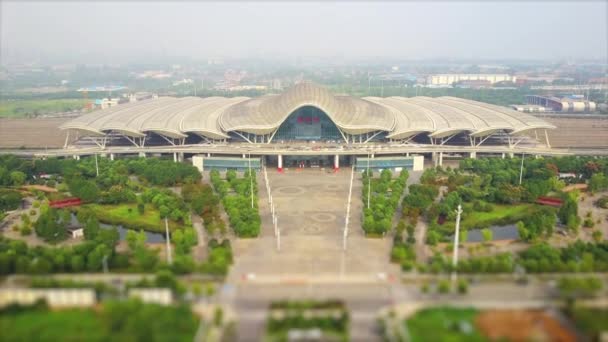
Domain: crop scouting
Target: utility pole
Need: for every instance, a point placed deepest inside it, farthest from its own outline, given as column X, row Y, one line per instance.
column 455, row 251
column 521, row 169
column 169, row 259
column 369, row 182
column 104, row 261
column 350, row 192
column 96, row 165
column 276, row 227
column 250, row 181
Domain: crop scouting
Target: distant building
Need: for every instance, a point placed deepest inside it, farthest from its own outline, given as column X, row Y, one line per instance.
column 474, row 84
column 106, row 103
column 449, row 79
column 564, row 103
column 529, row 108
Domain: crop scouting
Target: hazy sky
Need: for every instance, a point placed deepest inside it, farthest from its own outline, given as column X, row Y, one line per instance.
column 112, row 31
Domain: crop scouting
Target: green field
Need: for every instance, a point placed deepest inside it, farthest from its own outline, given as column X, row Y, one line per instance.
column 501, row 215
column 32, row 108
column 128, row 216
column 124, row 321
column 444, row 324
column 69, row 325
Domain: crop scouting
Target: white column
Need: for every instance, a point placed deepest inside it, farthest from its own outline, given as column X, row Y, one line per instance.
column 473, row 155
column 440, row 158
column 175, row 157
column 280, row 163
column 142, row 154
column 111, row 156
column 336, row 162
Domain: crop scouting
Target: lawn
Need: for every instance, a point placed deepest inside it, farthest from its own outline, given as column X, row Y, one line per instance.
column 116, row 321
column 25, row 108
column 128, row 216
column 444, row 324
column 68, row 325
column 501, row 215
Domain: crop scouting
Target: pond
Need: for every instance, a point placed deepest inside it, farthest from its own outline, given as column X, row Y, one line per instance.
column 506, row 232
column 122, row 231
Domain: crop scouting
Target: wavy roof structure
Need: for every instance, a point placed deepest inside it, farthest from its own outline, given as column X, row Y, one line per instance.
column 215, row 117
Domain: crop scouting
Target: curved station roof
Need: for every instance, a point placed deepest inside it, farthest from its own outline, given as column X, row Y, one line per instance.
column 215, row 117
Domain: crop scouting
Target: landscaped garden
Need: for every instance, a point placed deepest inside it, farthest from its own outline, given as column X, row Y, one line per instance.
column 134, row 194
column 113, row 321
column 383, row 200
column 492, row 197
column 240, row 200
column 308, row 320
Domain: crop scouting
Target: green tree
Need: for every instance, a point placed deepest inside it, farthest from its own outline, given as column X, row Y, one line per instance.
column 17, row 178
column 487, row 234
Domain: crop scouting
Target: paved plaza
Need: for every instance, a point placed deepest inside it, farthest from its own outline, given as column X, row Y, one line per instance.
column 311, row 209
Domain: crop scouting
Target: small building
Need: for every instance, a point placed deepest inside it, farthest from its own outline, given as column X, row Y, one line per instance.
column 53, row 297
column 162, row 296
column 75, row 232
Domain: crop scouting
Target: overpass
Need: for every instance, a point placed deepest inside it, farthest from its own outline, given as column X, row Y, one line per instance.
column 437, row 152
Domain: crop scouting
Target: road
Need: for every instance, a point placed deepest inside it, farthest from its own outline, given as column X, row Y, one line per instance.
column 276, row 149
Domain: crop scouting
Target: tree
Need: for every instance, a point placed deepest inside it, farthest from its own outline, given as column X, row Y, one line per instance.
column 91, row 228
column 598, row 182
column 86, row 190
column 95, row 258
column 463, row 286
column 487, row 234
column 136, row 240
column 17, row 178
column 568, row 209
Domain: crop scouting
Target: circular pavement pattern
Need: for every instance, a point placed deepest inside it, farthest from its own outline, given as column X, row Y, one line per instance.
column 332, row 187
column 291, row 190
column 323, row 217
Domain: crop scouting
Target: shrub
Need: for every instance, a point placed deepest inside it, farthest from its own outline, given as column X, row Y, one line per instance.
column 444, row 286
column 32, row 212
column 25, row 230
column 463, row 286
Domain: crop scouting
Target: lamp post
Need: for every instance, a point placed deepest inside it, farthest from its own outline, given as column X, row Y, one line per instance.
column 455, row 251
column 250, row 180
column 369, row 182
column 521, row 169
column 96, row 165
column 169, row 258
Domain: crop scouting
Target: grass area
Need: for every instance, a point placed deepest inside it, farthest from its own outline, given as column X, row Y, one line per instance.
column 592, row 322
column 127, row 216
column 31, row 108
column 444, row 324
column 501, row 215
column 124, row 321
column 68, row 325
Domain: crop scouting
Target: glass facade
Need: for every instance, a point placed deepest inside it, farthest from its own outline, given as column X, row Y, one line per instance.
column 381, row 163
column 308, row 123
column 230, row 163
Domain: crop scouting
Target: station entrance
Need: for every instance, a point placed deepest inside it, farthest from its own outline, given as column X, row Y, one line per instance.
column 308, row 162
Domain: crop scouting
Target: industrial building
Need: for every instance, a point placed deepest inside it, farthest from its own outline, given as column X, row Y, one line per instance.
column 563, row 103
column 449, row 79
